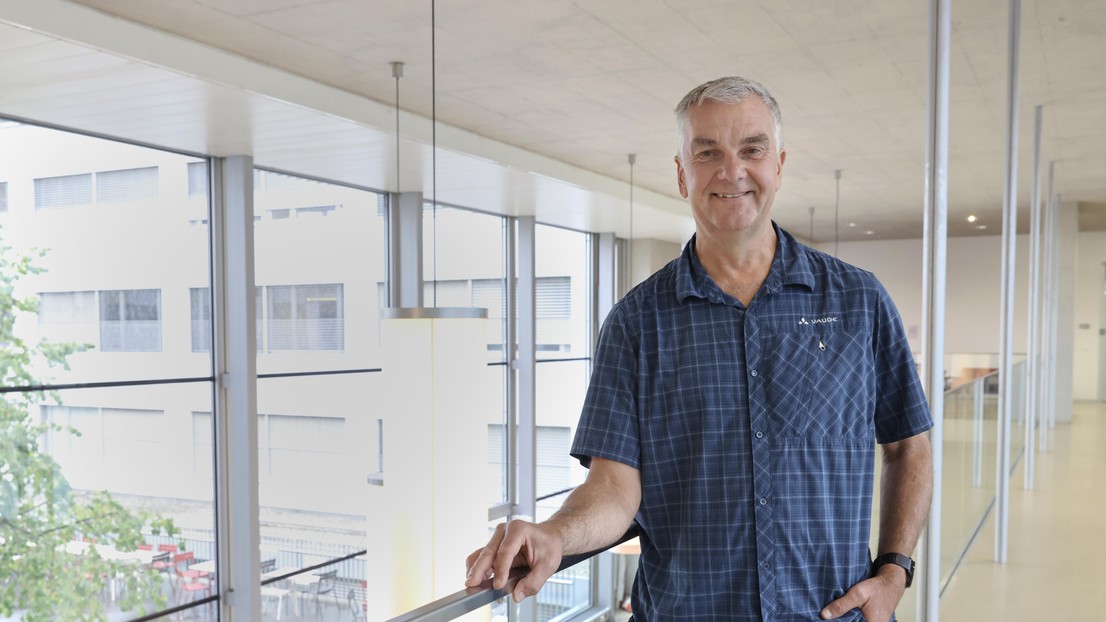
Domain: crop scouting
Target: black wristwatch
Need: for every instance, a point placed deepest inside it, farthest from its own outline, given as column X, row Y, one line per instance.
column 898, row 559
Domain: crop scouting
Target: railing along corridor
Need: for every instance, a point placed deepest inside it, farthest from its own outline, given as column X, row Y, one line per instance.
column 468, row 600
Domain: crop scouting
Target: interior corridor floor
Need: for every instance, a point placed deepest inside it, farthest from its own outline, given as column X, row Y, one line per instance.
column 1056, row 552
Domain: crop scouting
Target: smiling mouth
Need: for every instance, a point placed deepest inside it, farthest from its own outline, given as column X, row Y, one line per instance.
column 733, row 196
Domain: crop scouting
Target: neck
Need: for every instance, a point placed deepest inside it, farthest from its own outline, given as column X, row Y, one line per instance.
column 738, row 266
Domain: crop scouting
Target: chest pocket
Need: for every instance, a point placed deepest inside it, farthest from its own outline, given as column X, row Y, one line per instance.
column 819, row 384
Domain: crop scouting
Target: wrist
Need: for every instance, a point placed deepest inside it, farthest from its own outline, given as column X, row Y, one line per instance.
column 893, row 574
column 894, row 567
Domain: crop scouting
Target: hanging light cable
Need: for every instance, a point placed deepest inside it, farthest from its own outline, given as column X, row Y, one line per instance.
column 397, row 73
column 836, row 210
column 630, row 260
column 434, row 148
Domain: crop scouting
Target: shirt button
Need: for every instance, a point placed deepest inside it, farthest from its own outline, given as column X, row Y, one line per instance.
column 754, row 373
column 760, row 434
column 763, row 501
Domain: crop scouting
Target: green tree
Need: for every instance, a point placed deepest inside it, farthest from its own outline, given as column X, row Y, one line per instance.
column 39, row 512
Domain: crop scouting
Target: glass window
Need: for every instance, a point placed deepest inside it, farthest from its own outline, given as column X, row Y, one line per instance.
column 315, row 460
column 68, row 317
column 63, row 191
column 563, row 286
column 553, row 308
column 319, row 257
column 127, row 185
column 118, row 461
column 563, row 283
column 306, row 317
column 199, row 299
column 197, row 179
column 130, row 320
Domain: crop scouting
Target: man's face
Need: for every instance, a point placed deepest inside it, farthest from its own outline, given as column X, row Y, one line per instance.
column 730, row 166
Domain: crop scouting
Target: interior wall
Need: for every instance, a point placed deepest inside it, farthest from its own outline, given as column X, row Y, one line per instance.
column 1089, row 285
column 973, row 288
column 649, row 255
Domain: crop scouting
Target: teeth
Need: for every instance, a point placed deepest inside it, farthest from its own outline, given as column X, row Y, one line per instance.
column 730, row 196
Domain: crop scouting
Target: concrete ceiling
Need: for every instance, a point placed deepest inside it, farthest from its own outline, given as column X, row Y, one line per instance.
column 551, row 86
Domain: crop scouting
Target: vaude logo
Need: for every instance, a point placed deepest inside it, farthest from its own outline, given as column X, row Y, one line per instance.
column 819, row 320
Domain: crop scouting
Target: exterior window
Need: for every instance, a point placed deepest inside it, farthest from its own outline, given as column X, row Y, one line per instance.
column 553, row 461
column 203, row 446
column 133, row 437
column 200, row 303
column 376, row 439
column 64, row 191
column 306, row 317
column 67, row 317
column 130, row 320
column 127, row 185
column 197, row 179
column 488, row 294
column 3, row 196
column 553, row 302
column 301, row 447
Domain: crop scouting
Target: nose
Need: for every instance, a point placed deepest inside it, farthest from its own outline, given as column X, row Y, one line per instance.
column 733, row 167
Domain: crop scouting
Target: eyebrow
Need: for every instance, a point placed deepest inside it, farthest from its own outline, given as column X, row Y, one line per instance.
column 755, row 139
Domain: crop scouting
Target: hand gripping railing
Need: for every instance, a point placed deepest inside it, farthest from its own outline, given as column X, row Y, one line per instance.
column 464, row 601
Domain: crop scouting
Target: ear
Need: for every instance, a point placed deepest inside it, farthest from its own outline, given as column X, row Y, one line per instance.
column 680, row 177
column 779, row 170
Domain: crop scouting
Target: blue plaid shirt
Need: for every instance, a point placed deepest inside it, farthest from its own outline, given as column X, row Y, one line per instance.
column 754, row 430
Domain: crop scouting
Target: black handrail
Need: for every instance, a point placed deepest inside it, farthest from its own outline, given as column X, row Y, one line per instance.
column 470, row 599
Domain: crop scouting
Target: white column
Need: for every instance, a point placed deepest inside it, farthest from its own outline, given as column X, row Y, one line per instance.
column 1009, row 251
column 1033, row 353
column 933, row 293
column 526, row 368
column 1048, row 313
column 235, row 348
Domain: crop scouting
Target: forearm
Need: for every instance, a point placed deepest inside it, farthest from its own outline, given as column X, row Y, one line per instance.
column 600, row 510
column 905, row 492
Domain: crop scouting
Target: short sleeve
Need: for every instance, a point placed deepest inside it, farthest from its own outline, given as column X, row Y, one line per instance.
column 902, row 410
column 608, row 426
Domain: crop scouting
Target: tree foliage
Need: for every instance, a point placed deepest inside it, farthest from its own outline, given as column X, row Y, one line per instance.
column 39, row 512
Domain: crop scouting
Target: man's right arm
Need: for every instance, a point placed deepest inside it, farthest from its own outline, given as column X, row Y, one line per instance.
column 593, row 516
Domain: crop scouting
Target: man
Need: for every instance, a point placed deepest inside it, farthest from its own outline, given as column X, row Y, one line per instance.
column 736, row 399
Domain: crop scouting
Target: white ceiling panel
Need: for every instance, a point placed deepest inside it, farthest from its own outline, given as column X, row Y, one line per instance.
column 569, row 89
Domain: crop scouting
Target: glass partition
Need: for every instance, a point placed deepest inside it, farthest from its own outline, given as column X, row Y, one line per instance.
column 562, row 271
column 319, row 263
column 107, row 470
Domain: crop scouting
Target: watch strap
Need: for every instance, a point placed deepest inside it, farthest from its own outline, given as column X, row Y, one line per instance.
column 898, row 559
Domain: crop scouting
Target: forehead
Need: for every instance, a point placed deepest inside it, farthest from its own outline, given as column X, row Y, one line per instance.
column 716, row 121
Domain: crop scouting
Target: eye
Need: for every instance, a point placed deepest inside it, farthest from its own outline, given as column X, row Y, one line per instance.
column 755, row 152
column 706, row 153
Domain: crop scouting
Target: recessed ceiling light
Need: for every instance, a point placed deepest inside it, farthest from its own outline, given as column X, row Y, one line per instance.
column 981, row 226
column 972, row 218
column 852, row 224
column 869, row 232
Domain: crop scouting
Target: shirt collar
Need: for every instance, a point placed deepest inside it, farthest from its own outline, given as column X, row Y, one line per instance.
column 790, row 266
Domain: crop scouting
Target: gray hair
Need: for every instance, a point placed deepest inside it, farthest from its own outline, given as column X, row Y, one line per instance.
column 728, row 90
